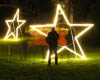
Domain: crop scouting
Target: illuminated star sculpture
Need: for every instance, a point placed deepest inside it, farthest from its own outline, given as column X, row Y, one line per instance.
column 14, row 33
column 61, row 12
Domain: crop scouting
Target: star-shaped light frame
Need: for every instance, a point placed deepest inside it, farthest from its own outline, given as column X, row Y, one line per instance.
column 20, row 23
column 60, row 11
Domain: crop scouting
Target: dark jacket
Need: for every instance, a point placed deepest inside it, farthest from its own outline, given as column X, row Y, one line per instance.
column 52, row 38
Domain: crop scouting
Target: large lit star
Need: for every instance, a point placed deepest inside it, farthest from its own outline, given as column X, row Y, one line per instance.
column 15, row 32
column 61, row 12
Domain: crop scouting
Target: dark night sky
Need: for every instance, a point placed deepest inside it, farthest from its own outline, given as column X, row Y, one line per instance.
column 37, row 11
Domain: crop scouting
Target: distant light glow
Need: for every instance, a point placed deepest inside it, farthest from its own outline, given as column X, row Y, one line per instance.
column 20, row 23
column 60, row 11
column 11, row 40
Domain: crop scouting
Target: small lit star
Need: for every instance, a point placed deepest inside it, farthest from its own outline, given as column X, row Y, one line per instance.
column 14, row 33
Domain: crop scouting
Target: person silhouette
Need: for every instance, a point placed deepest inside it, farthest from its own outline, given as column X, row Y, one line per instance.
column 52, row 39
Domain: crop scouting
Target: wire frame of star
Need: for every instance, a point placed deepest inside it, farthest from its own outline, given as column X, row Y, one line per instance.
column 60, row 11
column 20, row 23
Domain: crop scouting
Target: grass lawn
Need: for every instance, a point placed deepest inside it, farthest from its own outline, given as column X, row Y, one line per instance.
column 36, row 69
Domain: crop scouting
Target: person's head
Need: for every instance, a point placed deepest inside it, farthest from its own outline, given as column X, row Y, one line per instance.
column 53, row 29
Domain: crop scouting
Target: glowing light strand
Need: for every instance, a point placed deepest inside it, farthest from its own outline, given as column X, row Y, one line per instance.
column 60, row 11
column 20, row 23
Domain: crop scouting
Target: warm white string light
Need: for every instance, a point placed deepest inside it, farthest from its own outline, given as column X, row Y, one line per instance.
column 60, row 11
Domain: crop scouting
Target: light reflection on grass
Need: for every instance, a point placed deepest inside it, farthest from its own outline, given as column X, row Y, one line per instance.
column 12, row 40
column 30, row 60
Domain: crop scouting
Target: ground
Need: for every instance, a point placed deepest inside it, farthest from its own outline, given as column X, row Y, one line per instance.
column 37, row 69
